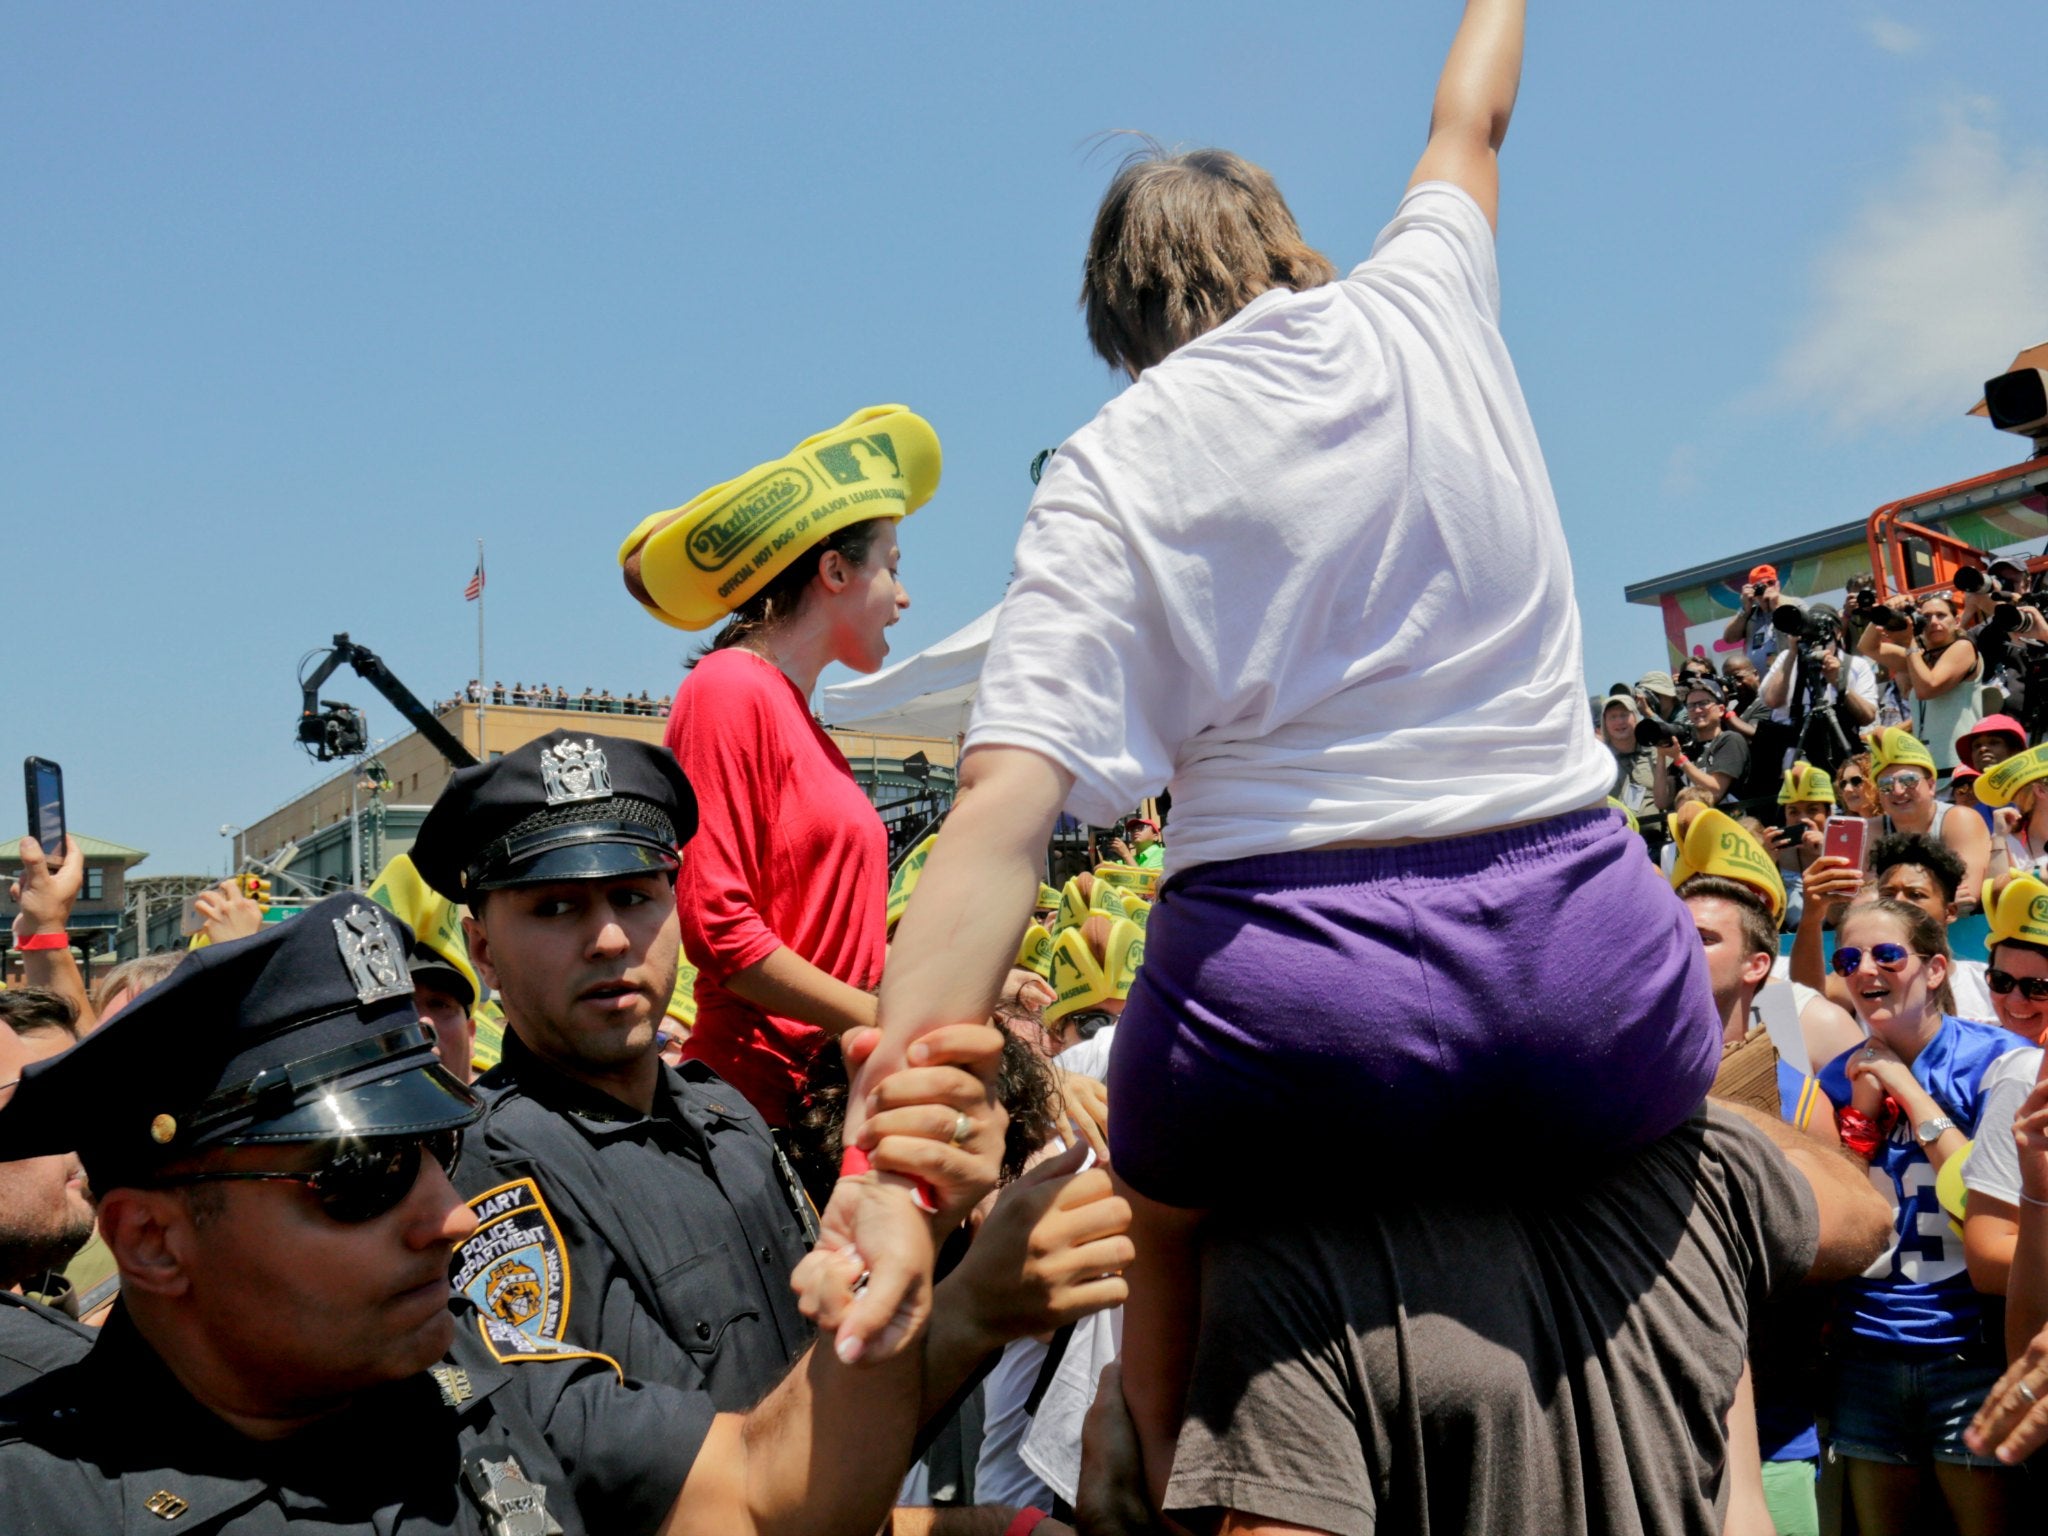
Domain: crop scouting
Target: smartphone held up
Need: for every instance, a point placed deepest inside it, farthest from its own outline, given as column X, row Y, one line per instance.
column 45, row 786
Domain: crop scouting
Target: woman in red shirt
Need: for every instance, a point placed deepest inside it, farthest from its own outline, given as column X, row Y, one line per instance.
column 783, row 888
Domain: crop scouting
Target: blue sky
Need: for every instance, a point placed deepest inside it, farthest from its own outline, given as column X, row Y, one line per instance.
column 296, row 303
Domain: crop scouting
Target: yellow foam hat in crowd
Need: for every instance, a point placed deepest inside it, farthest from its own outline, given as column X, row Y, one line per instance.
column 1805, row 783
column 694, row 564
column 1048, row 899
column 1107, row 900
column 2016, row 909
column 1128, row 877
column 1893, row 746
column 1074, row 908
column 904, row 881
column 1713, row 843
column 1079, row 982
column 682, row 997
column 1139, row 912
column 435, row 920
column 1035, row 953
column 2001, row 781
column 1627, row 815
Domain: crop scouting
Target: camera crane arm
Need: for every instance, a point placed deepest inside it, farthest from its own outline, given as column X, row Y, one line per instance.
column 312, row 726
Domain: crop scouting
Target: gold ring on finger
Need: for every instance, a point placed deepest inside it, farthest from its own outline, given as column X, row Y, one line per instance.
column 962, row 1128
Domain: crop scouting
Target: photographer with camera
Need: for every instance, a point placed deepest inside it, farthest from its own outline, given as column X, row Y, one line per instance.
column 1935, row 667
column 1751, row 623
column 1821, row 698
column 1701, row 752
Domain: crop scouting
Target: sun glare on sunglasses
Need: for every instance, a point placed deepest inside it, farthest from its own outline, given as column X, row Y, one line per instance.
column 356, row 1180
column 1886, row 957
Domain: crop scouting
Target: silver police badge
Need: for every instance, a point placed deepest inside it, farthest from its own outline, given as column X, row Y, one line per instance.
column 512, row 1505
column 571, row 772
column 374, row 957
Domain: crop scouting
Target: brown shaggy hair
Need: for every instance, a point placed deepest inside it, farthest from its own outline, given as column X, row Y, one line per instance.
column 1181, row 243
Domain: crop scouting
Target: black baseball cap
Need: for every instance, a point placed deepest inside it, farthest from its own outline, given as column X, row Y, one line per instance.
column 304, row 1031
column 563, row 807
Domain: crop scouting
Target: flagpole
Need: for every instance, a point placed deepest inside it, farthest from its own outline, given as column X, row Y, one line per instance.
column 483, row 686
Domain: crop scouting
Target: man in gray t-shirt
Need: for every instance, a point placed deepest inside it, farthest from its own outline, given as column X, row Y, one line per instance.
column 1540, row 1355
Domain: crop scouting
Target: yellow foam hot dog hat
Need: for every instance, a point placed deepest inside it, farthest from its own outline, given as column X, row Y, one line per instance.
column 1126, row 877
column 1139, row 912
column 693, row 565
column 1048, row 899
column 1074, row 907
column 904, row 881
column 1108, row 900
column 1035, row 953
column 2017, row 908
column 2001, row 781
column 1080, row 983
column 1893, row 746
column 1806, row 783
column 1711, row 843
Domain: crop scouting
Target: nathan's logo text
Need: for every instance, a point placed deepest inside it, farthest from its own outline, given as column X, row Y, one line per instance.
column 742, row 519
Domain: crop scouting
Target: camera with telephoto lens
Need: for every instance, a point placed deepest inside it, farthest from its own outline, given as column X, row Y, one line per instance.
column 1656, row 733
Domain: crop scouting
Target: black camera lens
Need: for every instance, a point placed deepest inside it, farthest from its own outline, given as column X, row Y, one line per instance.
column 1969, row 579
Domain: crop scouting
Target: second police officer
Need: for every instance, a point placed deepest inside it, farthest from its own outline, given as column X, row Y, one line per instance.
column 626, row 1206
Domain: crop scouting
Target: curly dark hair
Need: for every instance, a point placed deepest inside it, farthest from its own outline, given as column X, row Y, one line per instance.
column 1025, row 1086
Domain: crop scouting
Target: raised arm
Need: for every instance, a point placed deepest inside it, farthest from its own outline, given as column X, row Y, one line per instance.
column 1475, row 96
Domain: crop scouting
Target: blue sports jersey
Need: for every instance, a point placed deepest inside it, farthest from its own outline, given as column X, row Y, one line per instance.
column 1918, row 1292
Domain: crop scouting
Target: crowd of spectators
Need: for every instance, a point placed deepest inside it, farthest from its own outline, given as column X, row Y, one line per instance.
column 1847, row 804
column 546, row 696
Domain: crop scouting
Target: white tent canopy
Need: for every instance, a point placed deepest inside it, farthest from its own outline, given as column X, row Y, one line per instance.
column 929, row 694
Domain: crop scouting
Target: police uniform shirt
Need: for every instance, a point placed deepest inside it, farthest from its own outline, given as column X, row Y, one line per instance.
column 35, row 1339
column 665, row 1241
column 114, row 1443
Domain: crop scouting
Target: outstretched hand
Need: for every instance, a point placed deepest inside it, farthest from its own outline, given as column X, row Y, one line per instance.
column 45, row 892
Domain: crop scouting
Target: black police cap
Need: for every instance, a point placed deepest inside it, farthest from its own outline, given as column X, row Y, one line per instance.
column 563, row 807
column 303, row 1032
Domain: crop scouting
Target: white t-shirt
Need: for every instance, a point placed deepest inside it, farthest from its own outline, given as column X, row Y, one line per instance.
column 1015, row 1443
column 1309, row 571
column 1859, row 673
column 1994, row 1165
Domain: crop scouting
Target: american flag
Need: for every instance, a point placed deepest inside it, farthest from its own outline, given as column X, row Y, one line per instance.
column 475, row 589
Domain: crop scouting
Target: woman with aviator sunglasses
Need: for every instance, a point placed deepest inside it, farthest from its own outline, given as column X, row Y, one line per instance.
column 1918, row 1345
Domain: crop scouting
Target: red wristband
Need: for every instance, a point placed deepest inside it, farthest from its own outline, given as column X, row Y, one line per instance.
column 1027, row 1521
column 37, row 941
column 853, row 1162
column 1859, row 1132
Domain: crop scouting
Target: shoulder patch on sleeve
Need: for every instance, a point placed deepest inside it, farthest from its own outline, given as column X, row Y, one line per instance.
column 508, row 1344
column 515, row 1268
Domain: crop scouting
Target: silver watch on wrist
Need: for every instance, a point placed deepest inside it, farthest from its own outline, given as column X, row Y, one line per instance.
column 1928, row 1132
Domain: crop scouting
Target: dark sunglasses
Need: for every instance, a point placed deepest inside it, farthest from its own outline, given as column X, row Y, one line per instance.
column 2033, row 988
column 357, row 1181
column 1887, row 957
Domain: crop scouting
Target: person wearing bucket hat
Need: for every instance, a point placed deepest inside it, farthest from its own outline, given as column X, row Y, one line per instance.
column 784, row 890
column 1175, row 621
column 270, row 1133
column 1903, row 770
column 1995, row 738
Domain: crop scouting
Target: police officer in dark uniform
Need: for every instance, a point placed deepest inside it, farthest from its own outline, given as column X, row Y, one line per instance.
column 626, row 1206
column 271, row 1133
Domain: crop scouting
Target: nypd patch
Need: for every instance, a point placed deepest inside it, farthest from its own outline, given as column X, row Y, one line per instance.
column 515, row 1268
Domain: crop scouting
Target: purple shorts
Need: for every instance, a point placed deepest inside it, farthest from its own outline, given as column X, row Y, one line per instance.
column 1514, row 998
